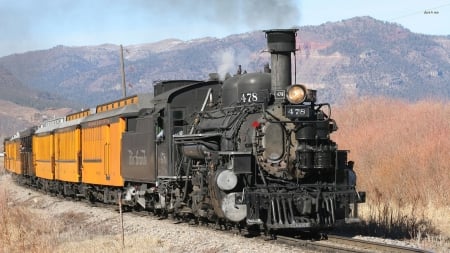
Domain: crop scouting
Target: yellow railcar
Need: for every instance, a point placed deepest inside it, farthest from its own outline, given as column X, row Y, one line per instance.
column 101, row 140
column 68, row 152
column 44, row 149
column 18, row 158
column 12, row 161
column 8, row 155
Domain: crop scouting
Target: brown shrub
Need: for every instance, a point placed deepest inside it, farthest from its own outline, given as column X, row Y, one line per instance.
column 401, row 152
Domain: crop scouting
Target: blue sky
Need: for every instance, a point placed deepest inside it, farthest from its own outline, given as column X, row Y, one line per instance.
column 27, row 25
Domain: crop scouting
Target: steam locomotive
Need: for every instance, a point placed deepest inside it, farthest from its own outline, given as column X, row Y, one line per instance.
column 252, row 151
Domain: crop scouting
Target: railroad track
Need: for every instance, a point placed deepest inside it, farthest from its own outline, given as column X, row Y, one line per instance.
column 341, row 244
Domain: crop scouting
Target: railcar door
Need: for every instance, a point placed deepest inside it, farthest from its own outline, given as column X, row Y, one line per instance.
column 163, row 137
column 27, row 161
column 101, row 151
column 106, row 152
column 179, row 127
column 44, row 155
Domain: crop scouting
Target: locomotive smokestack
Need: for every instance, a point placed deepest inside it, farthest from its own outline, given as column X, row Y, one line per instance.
column 281, row 43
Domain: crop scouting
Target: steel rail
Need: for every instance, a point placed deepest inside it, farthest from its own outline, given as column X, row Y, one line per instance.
column 340, row 244
column 373, row 246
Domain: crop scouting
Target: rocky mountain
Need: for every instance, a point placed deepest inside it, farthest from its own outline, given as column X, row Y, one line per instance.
column 367, row 57
column 12, row 89
column 357, row 57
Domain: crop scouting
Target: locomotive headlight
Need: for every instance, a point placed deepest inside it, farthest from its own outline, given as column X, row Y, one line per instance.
column 296, row 94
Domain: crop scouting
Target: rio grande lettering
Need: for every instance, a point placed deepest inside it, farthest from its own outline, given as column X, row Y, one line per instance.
column 138, row 158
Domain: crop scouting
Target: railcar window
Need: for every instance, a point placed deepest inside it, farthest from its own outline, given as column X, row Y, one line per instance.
column 131, row 125
column 178, row 121
column 159, row 129
column 177, row 115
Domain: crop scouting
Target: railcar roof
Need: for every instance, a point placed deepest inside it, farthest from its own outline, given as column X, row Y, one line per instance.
column 70, row 123
column 49, row 126
column 126, row 110
column 23, row 133
column 168, row 96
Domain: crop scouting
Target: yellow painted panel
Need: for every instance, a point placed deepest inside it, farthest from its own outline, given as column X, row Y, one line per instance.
column 78, row 115
column 114, row 161
column 8, row 154
column 101, row 154
column 43, row 156
column 67, row 148
column 16, row 162
column 13, row 161
column 12, row 157
column 117, row 104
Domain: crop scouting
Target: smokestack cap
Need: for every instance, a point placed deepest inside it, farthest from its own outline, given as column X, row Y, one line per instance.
column 281, row 40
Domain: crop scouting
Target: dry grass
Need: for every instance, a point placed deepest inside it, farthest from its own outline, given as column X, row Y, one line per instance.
column 402, row 159
column 21, row 230
column 27, row 228
column 112, row 243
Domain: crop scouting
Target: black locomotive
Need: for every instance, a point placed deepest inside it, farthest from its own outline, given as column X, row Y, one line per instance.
column 256, row 150
column 252, row 151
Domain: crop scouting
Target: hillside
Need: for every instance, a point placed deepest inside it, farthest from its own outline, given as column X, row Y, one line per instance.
column 91, row 75
column 14, row 117
column 12, row 89
column 360, row 56
column 367, row 57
